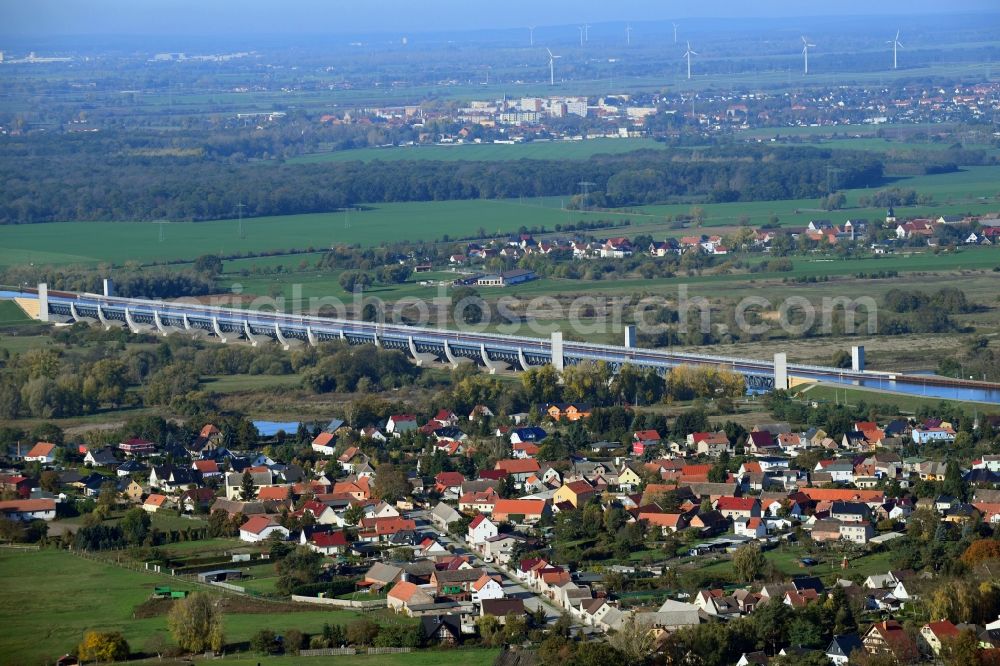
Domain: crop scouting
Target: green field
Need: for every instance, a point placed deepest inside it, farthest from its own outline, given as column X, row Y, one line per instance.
column 906, row 403
column 786, row 559
column 50, row 598
column 456, row 657
column 535, row 150
column 243, row 383
column 972, row 190
column 12, row 315
column 90, row 243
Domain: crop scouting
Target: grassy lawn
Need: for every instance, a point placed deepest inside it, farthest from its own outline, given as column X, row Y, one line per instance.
column 18, row 344
column 12, row 315
column 457, row 657
column 50, row 598
column 171, row 521
column 84, row 243
column 243, row 383
column 786, row 560
column 852, row 396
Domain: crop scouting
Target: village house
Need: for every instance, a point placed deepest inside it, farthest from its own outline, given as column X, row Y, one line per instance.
column 404, row 596
column 259, row 528
column 576, row 493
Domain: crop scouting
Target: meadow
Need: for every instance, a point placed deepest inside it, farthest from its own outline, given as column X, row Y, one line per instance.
column 51, row 598
column 972, row 190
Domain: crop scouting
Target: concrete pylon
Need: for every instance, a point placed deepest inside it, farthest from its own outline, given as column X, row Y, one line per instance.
column 132, row 326
column 187, row 324
column 101, row 318
column 448, row 355
column 857, row 358
column 420, row 358
column 281, row 338
column 375, row 340
column 250, row 336
column 73, row 313
column 522, row 359
column 630, row 337
column 159, row 324
column 218, row 330
column 490, row 364
column 313, row 340
column 780, row 371
column 43, row 301
column 558, row 360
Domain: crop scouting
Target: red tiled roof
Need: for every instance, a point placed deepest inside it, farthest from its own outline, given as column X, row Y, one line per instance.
column 257, row 524
column 40, row 450
column 518, row 466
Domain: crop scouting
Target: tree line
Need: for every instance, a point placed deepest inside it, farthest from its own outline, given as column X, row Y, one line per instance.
column 92, row 185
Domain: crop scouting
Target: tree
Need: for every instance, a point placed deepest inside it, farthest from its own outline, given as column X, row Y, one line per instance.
column 962, row 650
column 248, row 491
column 299, row 567
column 208, row 264
column 981, row 551
column 195, row 623
column 541, row 385
column 391, row 483
column 265, row 642
column 103, row 646
column 634, row 641
column 352, row 281
column 361, row 632
column 353, row 514
column 748, row 562
column 135, row 525
column 490, row 630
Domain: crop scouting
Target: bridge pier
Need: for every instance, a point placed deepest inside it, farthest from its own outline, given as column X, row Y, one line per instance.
column 780, row 371
column 375, row 340
column 187, row 324
column 522, row 359
column 420, row 358
column 281, row 338
column 630, row 337
column 249, row 334
column 43, row 301
column 558, row 360
column 313, row 340
column 132, row 326
column 857, row 358
column 490, row 364
column 73, row 313
column 218, row 331
column 451, row 358
column 159, row 324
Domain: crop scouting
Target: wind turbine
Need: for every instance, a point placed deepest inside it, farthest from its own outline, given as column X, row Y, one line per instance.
column 805, row 54
column 531, row 35
column 687, row 56
column 586, row 32
column 552, row 67
column 895, row 44
column 675, row 33
column 580, row 28
column 628, row 35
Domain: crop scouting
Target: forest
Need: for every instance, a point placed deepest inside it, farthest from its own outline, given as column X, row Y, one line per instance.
column 109, row 178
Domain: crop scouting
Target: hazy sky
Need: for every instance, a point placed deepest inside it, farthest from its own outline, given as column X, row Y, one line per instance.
column 200, row 17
